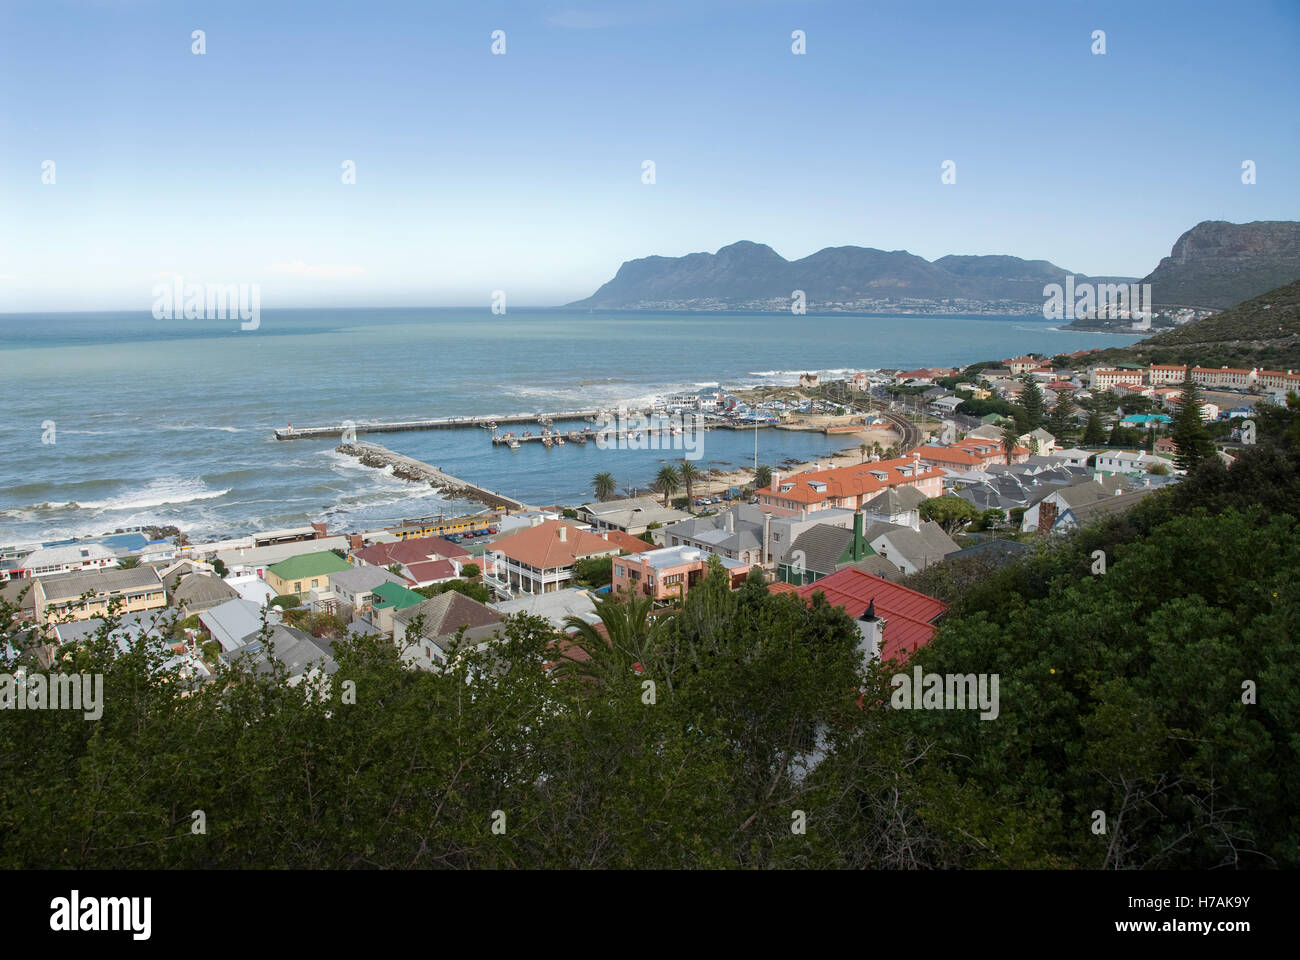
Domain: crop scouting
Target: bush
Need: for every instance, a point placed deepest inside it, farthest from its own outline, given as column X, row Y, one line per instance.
column 286, row 601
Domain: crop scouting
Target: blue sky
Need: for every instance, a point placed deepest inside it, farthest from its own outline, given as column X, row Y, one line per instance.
column 522, row 172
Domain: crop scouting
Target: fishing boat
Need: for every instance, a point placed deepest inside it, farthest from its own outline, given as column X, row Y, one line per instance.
column 513, row 443
column 546, row 442
column 559, row 441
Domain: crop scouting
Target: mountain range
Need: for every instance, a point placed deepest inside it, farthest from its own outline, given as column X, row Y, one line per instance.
column 1213, row 265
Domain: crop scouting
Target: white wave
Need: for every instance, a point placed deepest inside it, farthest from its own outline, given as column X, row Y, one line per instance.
column 161, row 492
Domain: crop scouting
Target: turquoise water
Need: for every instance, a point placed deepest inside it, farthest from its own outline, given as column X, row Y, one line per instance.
column 171, row 421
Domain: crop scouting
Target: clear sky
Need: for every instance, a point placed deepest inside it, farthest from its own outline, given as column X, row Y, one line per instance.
column 523, row 172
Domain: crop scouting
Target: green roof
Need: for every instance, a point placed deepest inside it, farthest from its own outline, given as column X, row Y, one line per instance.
column 307, row 565
column 396, row 596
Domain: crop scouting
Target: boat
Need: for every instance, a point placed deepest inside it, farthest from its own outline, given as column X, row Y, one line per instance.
column 559, row 441
column 546, row 442
column 513, row 443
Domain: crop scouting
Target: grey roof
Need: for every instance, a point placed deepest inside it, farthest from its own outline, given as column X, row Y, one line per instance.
column 924, row 547
column 746, row 532
column 447, row 613
column 998, row 550
column 200, row 591
column 298, row 651
column 633, row 512
column 822, row 546
column 1089, row 491
column 878, row 566
column 69, row 586
column 362, row 628
column 360, row 579
column 553, row 607
column 69, row 553
column 232, row 622
column 1088, row 512
column 895, row 500
column 130, row 628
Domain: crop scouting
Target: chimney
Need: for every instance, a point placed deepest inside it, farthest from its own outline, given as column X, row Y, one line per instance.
column 320, row 530
column 767, row 533
column 355, row 541
column 871, row 633
column 564, row 533
column 857, row 547
column 776, row 482
column 730, row 522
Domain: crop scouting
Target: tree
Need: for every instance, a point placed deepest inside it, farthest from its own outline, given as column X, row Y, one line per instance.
column 862, row 449
column 690, row 476
column 1189, row 433
column 470, row 571
column 1094, row 433
column 128, row 563
column 762, row 477
column 1061, row 419
column 950, row 512
column 667, row 481
column 221, row 569
column 594, row 571
column 1010, row 437
column 648, row 537
column 604, row 485
column 1032, row 403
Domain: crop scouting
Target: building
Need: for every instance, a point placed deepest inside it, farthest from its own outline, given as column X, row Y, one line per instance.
column 1106, row 378
column 70, row 558
column 350, row 593
column 388, row 599
column 128, row 591
column 632, row 515
column 301, row 574
column 412, row 550
column 846, row 487
column 1163, row 374
column 1042, row 515
column 304, row 656
column 233, row 623
column 541, row 559
column 910, row 550
column 893, row 621
column 199, row 592
column 440, row 620
column 1224, row 377
column 821, row 550
column 1083, row 514
column 625, row 541
column 1126, row 461
column 555, row 607
column 244, row 560
column 969, row 453
column 667, row 574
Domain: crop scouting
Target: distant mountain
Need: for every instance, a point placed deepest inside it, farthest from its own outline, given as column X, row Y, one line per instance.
column 753, row 276
column 1217, row 264
column 1263, row 331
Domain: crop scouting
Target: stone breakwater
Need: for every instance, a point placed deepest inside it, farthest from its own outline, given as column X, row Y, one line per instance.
column 417, row 471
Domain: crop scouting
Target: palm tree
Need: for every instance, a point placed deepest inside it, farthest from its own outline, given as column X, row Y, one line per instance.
column 877, row 449
column 668, row 481
column 862, row 449
column 689, row 477
column 604, row 485
column 1010, row 434
column 634, row 637
column 762, row 477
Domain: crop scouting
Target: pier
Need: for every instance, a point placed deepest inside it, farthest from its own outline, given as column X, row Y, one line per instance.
column 348, row 429
column 408, row 468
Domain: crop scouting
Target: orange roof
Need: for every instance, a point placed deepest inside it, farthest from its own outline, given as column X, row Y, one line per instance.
column 541, row 546
column 816, row 486
column 967, row 451
column 1168, row 366
column 625, row 541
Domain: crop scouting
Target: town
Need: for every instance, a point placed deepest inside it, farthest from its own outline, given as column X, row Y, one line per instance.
column 945, row 465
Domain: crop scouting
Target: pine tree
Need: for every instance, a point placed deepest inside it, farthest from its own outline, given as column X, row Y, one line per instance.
column 1189, row 433
column 1094, row 433
column 1061, row 419
column 1032, row 403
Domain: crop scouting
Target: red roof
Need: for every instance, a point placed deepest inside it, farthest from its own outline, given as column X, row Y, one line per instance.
column 626, row 542
column 430, row 571
column 851, row 481
column 910, row 614
column 542, row 547
column 414, row 550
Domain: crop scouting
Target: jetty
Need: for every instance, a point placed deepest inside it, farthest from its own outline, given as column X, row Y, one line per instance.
column 348, row 429
column 408, row 468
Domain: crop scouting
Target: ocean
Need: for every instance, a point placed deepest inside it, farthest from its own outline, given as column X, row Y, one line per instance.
column 170, row 421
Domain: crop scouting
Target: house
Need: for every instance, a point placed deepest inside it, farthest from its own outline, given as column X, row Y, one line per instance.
column 555, row 607
column 1082, row 515
column 305, row 656
column 199, row 592
column 821, row 550
column 1038, row 442
column 1042, row 515
column 968, row 453
column 1074, row 457
column 1023, row 365
column 412, row 554
column 388, row 599
column 946, row 405
column 441, row 618
column 131, row 591
column 897, row 505
column 234, row 622
column 631, row 515
column 1126, row 461
column 846, row 487
column 625, row 542
column 1166, row 446
column 71, row 558
column 301, row 574
column 1166, row 373
column 893, row 621
column 911, row 550
column 541, row 559
column 1145, row 421
column 349, row 593
column 244, row 560
column 667, row 574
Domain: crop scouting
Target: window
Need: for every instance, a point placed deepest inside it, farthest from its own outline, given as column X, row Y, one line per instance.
column 297, row 587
